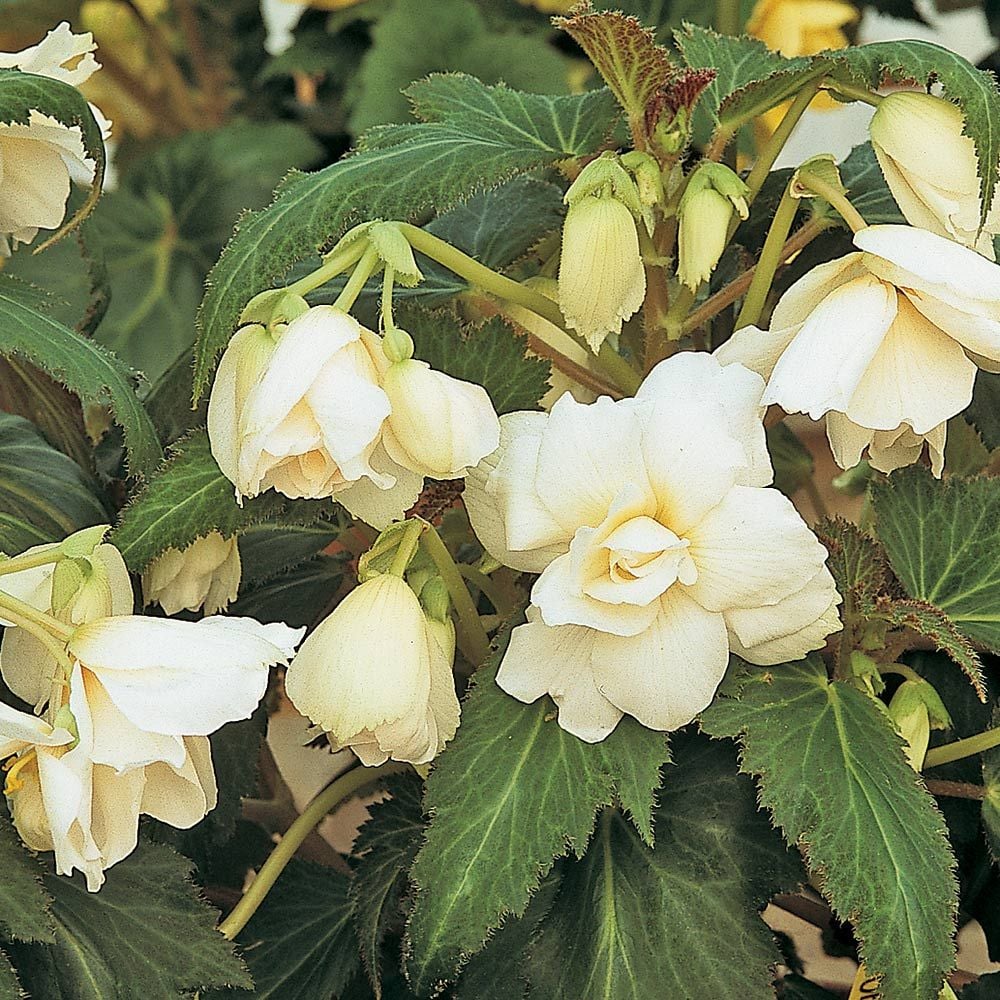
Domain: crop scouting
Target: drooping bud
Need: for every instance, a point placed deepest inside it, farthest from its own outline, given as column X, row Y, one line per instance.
column 713, row 195
column 932, row 169
column 916, row 709
column 205, row 575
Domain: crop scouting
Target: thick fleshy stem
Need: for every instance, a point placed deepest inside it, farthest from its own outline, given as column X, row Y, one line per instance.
column 35, row 621
column 407, row 547
column 962, row 748
column 854, row 93
column 622, row 373
column 353, row 287
column 336, row 792
column 30, row 561
column 470, row 635
column 333, row 266
column 836, row 198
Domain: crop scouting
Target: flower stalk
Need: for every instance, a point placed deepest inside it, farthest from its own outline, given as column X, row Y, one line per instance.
column 960, row 749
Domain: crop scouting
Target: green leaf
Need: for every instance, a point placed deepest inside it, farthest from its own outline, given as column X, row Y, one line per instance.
column 793, row 463
column 24, row 904
column 942, row 538
column 964, row 451
column 21, row 93
column 627, row 57
column 985, row 988
column 387, row 844
column 867, row 189
column 300, row 945
column 297, row 597
column 984, row 411
column 991, row 803
column 10, row 988
column 974, row 90
column 147, row 933
column 630, row 922
column 44, row 495
column 512, row 793
column 795, row 987
column 187, row 498
column 750, row 78
column 473, row 136
column 832, row 772
column 165, row 224
column 268, row 550
column 95, row 375
column 491, row 355
column 454, row 38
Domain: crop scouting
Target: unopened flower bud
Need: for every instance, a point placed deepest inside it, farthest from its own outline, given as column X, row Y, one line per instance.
column 397, row 344
column 916, row 709
column 435, row 600
column 931, row 168
column 438, row 426
column 205, row 575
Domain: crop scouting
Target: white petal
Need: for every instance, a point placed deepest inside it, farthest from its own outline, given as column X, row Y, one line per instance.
column 182, row 796
column 803, row 297
column 34, row 185
column 822, row 366
column 380, row 507
column 753, row 549
column 115, row 812
column 666, row 675
column 27, row 666
column 979, row 334
column 18, row 730
column 756, row 349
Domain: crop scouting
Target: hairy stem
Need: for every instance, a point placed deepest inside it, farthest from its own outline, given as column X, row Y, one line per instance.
column 862, row 94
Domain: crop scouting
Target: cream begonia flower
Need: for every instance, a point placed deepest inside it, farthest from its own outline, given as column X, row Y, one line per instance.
column 884, row 342
column 601, row 278
column 801, row 27
column 659, row 548
column 376, row 676
column 206, row 575
column 38, row 160
column 931, row 168
column 302, row 411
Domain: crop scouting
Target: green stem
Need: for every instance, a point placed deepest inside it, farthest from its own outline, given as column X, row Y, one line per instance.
column 334, row 265
column 487, row 586
column 673, row 322
column 900, row 669
column 862, row 94
column 388, row 278
column 836, row 198
column 339, row 789
column 355, row 284
column 728, row 20
column 13, row 607
column 408, row 543
column 22, row 562
column 962, row 748
column 621, row 372
column 769, row 261
column 816, row 498
column 469, row 632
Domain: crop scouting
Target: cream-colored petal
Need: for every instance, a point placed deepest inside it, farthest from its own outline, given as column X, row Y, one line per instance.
column 756, row 349
column 805, row 295
column 115, row 812
column 821, row 368
column 979, row 334
column 847, row 440
column 753, row 549
column 18, row 731
column 377, row 506
column 182, row 796
column 34, row 186
column 667, row 674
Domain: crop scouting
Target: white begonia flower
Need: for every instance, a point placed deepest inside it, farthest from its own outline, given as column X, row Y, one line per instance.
column 376, row 676
column 280, row 18
column 438, row 426
column 206, row 575
column 885, row 342
column 931, row 168
column 601, row 278
column 659, row 548
column 144, row 694
column 38, row 160
column 302, row 411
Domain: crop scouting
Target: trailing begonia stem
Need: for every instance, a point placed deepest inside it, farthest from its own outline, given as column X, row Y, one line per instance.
column 30, row 561
column 336, row 264
column 470, row 635
column 962, row 748
column 836, row 198
column 407, row 546
column 355, row 284
column 623, row 374
column 854, row 93
column 769, row 261
column 336, row 792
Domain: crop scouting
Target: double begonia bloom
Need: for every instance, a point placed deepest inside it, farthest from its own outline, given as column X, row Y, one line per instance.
column 659, row 546
column 376, row 676
column 885, row 342
column 144, row 694
column 205, row 575
column 38, row 160
column 303, row 409
column 931, row 168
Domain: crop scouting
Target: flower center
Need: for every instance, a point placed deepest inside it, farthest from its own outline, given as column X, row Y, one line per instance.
column 12, row 767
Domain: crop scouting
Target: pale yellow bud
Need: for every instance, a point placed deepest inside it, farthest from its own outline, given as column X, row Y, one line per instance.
column 375, row 677
column 601, row 277
column 205, row 575
column 438, row 426
column 931, row 167
column 702, row 235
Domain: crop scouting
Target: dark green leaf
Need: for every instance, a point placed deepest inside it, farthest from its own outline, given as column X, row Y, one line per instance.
column 21, row 93
column 512, row 793
column 300, row 945
column 832, row 772
column 631, row 923
column 473, row 137
column 942, row 538
column 187, row 498
column 24, row 904
column 984, row 411
column 986, row 988
column 268, row 550
column 10, row 988
column 792, row 461
column 973, row 89
column 145, row 934
column 387, row 843
column 44, row 495
column 298, row 597
column 94, row 374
